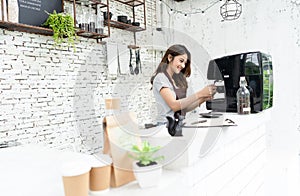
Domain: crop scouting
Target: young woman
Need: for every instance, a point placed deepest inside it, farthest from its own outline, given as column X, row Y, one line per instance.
column 169, row 85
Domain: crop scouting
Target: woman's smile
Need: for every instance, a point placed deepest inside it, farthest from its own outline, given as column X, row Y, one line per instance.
column 179, row 68
column 178, row 63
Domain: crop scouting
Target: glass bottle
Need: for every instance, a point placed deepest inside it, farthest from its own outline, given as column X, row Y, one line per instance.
column 243, row 98
column 79, row 14
column 68, row 9
column 84, row 20
column 99, row 21
column 13, row 11
column 91, row 20
column 4, row 13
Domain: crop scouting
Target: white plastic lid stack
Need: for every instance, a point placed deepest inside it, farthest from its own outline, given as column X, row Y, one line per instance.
column 75, row 168
column 100, row 160
column 112, row 106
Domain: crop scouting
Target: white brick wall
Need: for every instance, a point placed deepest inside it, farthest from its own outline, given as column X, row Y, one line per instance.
column 56, row 97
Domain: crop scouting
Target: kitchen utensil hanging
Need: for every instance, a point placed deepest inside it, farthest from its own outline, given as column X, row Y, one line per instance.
column 138, row 67
column 140, row 63
column 130, row 62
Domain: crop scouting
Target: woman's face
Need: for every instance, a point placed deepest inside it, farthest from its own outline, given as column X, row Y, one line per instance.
column 178, row 63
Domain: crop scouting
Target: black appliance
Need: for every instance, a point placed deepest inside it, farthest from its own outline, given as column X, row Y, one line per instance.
column 258, row 70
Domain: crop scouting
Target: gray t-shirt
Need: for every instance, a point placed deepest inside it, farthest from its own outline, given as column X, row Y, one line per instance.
column 163, row 110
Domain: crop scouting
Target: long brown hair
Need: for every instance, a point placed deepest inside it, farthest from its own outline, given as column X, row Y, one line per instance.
column 180, row 79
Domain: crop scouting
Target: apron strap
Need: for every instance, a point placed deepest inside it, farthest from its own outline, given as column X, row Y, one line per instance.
column 180, row 93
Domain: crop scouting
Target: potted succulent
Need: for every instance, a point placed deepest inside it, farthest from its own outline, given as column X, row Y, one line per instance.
column 146, row 168
column 63, row 28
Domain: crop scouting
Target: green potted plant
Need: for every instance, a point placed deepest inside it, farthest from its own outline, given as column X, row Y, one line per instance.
column 146, row 168
column 63, row 28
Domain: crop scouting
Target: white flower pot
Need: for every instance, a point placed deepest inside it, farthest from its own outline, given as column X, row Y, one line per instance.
column 147, row 176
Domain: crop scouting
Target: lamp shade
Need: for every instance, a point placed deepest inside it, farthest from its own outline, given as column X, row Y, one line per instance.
column 231, row 10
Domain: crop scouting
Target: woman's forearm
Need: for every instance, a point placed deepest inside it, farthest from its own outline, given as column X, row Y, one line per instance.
column 187, row 103
column 191, row 107
column 194, row 105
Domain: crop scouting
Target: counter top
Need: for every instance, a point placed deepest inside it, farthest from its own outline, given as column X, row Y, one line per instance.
column 196, row 142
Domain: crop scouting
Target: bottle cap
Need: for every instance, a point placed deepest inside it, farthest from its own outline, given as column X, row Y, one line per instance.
column 243, row 80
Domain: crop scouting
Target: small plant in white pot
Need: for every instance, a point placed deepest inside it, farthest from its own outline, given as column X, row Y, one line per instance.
column 146, row 168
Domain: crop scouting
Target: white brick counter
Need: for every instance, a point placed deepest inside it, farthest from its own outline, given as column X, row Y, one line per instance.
column 234, row 165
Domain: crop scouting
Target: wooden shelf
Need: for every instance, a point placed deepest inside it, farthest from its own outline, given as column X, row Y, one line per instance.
column 133, row 47
column 129, row 27
column 92, row 2
column 25, row 28
column 123, row 26
column 109, row 23
column 132, row 2
column 47, row 31
column 91, row 34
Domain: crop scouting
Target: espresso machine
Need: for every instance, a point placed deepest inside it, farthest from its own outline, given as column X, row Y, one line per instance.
column 225, row 73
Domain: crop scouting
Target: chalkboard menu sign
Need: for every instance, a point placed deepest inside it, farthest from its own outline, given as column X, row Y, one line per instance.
column 32, row 12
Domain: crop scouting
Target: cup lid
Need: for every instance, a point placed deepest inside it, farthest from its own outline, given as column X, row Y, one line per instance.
column 75, row 168
column 100, row 160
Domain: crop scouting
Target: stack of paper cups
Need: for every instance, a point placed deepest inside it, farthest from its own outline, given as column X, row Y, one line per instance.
column 76, row 178
column 100, row 173
column 112, row 106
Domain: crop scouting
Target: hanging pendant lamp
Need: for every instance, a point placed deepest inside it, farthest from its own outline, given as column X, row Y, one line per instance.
column 231, row 10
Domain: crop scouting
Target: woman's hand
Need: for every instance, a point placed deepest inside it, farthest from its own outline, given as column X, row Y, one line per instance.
column 191, row 102
column 207, row 92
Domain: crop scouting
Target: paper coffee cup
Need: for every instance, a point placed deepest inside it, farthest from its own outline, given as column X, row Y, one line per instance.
column 76, row 178
column 100, row 173
column 112, row 104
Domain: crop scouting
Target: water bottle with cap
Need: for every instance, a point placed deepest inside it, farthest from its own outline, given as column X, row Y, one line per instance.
column 243, row 97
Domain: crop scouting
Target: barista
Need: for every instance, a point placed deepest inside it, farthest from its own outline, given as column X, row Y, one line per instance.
column 169, row 85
